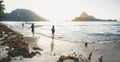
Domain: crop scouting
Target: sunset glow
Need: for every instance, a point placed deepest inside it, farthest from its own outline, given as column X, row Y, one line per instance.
column 64, row 10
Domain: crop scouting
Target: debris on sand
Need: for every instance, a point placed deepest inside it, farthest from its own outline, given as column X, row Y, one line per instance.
column 86, row 44
column 89, row 57
column 100, row 59
column 36, row 48
column 6, row 59
column 62, row 58
column 16, row 43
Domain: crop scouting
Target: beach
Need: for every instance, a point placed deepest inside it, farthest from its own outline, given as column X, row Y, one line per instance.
column 53, row 49
column 110, row 51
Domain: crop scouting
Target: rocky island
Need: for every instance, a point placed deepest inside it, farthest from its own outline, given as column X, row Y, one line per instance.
column 85, row 17
column 23, row 15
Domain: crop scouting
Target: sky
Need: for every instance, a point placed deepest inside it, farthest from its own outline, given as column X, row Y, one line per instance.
column 64, row 10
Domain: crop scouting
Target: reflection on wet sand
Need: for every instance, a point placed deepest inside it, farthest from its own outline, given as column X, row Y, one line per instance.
column 52, row 45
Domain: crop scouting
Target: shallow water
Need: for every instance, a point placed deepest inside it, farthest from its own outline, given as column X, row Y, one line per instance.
column 93, row 32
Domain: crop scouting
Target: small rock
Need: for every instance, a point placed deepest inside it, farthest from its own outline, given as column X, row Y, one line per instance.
column 86, row 44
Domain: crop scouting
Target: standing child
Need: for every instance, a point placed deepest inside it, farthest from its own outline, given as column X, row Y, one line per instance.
column 32, row 29
column 53, row 31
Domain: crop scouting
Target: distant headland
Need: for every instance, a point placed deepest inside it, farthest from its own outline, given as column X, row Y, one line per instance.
column 23, row 15
column 85, row 17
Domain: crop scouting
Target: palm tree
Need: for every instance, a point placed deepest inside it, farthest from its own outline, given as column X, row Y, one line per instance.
column 2, row 15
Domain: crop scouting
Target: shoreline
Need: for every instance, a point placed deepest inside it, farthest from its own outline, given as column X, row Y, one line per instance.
column 53, row 50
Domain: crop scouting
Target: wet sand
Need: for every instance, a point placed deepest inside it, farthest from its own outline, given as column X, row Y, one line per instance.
column 32, row 42
column 110, row 51
column 53, row 49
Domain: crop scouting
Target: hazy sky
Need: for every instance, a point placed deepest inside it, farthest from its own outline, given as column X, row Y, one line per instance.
column 60, row 10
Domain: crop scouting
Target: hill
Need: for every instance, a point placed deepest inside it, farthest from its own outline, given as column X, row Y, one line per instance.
column 23, row 15
column 85, row 17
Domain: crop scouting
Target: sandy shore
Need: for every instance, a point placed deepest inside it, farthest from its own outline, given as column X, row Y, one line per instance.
column 53, row 49
column 109, row 51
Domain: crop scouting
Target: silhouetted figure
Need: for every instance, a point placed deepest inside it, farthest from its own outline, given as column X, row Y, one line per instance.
column 86, row 44
column 53, row 31
column 89, row 57
column 32, row 29
column 100, row 59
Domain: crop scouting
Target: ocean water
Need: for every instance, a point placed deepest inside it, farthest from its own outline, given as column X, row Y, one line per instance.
column 92, row 32
column 81, row 32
